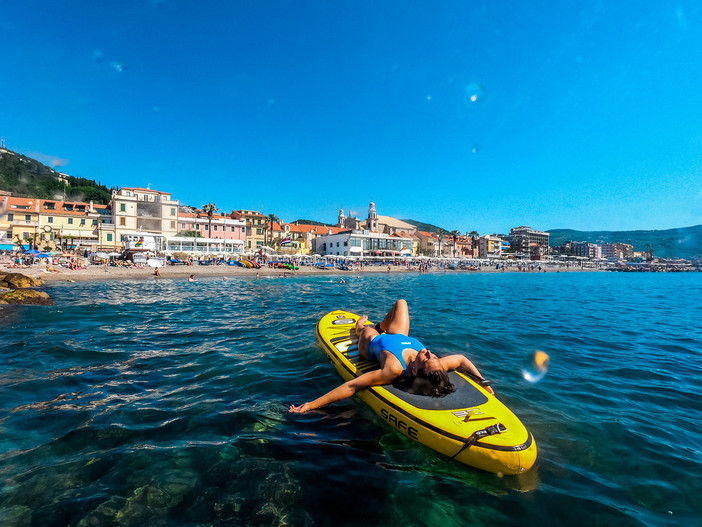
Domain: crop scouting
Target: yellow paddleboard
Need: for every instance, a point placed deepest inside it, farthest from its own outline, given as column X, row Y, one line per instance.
column 470, row 425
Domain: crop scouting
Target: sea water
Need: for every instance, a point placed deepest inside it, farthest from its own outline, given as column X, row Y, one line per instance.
column 163, row 402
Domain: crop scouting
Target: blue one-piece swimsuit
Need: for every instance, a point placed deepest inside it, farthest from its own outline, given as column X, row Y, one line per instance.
column 395, row 343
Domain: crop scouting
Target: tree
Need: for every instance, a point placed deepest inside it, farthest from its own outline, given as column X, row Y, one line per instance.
column 455, row 234
column 272, row 218
column 473, row 236
column 209, row 209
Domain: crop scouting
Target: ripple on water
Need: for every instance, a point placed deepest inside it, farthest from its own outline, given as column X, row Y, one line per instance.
column 151, row 402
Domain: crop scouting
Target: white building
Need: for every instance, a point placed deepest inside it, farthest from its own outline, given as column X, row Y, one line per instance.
column 362, row 243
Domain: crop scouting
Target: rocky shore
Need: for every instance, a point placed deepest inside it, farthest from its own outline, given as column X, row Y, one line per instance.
column 17, row 288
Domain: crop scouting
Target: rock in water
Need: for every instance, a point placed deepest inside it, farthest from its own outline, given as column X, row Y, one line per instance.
column 26, row 296
column 20, row 281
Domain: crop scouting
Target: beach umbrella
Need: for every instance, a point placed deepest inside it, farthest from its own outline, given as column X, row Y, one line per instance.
column 32, row 251
column 41, row 255
column 153, row 262
column 114, row 254
column 101, row 255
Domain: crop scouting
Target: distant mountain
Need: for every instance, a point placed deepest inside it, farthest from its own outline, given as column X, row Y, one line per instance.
column 427, row 227
column 685, row 242
column 28, row 178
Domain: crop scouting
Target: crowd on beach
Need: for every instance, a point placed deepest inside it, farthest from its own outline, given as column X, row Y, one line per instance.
column 95, row 267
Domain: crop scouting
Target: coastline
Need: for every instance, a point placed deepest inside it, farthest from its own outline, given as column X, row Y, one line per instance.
column 101, row 272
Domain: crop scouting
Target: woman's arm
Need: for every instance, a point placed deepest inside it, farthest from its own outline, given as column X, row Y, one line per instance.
column 346, row 390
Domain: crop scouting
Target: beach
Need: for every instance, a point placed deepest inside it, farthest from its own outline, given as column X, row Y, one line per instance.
column 103, row 272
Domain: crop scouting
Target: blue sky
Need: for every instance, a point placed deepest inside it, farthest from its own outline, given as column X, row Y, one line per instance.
column 469, row 115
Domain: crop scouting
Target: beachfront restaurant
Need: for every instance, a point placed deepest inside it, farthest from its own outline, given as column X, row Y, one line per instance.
column 362, row 243
column 190, row 244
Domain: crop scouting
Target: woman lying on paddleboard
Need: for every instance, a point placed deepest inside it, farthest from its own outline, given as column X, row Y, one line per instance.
column 399, row 355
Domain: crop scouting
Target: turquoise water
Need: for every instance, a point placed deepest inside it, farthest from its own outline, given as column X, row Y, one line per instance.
column 165, row 403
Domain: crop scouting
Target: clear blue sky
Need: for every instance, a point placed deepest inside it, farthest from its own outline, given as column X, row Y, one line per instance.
column 469, row 115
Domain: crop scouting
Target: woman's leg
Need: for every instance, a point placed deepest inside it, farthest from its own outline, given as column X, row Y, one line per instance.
column 397, row 320
column 365, row 335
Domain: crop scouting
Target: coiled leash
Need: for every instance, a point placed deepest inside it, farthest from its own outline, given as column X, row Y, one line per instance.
column 480, row 434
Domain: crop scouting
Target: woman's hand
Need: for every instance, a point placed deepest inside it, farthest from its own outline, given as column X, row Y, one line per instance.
column 302, row 409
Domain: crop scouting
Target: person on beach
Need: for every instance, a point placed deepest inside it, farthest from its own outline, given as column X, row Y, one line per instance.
column 399, row 356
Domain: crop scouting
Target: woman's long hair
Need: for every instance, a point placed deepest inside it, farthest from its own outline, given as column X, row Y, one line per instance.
column 438, row 383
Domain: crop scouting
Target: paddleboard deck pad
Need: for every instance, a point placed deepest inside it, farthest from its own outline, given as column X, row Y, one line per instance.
column 470, row 425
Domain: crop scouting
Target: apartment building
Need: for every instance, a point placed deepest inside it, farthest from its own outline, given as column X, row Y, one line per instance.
column 142, row 219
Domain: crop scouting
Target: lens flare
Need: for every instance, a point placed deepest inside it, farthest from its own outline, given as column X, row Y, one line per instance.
column 536, row 366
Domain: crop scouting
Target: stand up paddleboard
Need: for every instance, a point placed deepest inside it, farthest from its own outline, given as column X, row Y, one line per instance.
column 470, row 425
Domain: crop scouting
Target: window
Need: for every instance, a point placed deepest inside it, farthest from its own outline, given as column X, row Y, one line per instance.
column 207, row 227
column 259, row 231
column 94, row 222
column 27, row 217
column 82, row 221
column 50, row 219
column 173, row 211
column 70, row 221
column 122, row 207
column 173, row 225
column 10, row 217
column 122, row 221
column 127, row 193
column 109, row 236
column 233, row 228
column 215, row 227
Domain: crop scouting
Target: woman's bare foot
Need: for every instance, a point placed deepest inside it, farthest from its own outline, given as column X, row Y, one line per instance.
column 360, row 323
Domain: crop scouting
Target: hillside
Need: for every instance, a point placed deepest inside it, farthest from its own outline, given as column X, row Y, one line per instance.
column 27, row 177
column 427, row 227
column 685, row 242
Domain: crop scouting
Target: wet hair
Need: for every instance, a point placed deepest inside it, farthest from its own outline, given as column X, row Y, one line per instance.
column 437, row 383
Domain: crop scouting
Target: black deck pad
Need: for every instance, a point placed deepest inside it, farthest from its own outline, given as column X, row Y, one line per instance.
column 465, row 396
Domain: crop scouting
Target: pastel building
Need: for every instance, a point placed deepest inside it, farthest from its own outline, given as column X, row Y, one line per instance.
column 142, row 219
column 19, row 219
column 299, row 238
column 49, row 224
column 256, row 225
column 491, row 246
column 221, row 234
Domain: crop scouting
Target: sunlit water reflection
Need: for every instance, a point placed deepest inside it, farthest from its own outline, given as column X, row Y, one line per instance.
column 165, row 403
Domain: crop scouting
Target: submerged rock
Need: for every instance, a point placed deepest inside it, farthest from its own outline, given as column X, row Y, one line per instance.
column 26, row 296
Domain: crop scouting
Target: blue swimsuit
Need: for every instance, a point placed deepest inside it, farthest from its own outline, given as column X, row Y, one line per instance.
column 395, row 344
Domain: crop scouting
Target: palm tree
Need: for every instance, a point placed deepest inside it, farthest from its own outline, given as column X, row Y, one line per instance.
column 209, row 209
column 473, row 236
column 272, row 218
column 455, row 234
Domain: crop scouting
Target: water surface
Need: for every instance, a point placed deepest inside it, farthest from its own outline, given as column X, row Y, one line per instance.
column 163, row 402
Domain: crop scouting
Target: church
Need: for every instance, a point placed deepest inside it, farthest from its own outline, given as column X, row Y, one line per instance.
column 378, row 224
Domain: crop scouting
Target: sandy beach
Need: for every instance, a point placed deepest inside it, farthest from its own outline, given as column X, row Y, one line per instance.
column 102, row 272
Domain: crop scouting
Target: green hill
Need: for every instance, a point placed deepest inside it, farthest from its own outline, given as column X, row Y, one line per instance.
column 685, row 242
column 426, row 227
column 28, row 178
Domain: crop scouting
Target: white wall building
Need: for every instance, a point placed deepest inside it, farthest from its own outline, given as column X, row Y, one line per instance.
column 362, row 243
